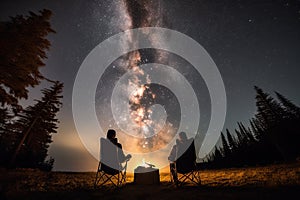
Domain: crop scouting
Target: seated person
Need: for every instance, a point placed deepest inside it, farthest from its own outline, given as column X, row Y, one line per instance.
column 182, row 155
column 111, row 136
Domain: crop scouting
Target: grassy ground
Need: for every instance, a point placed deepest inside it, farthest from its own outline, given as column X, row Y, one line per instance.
column 280, row 181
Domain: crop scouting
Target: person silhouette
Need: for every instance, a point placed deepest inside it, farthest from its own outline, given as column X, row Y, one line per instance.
column 182, row 145
column 111, row 136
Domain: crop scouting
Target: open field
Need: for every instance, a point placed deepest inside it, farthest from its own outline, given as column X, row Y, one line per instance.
column 280, row 181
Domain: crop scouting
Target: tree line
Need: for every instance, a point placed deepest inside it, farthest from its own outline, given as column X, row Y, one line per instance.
column 26, row 133
column 272, row 136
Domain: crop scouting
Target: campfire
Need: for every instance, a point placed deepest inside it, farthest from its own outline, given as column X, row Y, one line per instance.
column 146, row 174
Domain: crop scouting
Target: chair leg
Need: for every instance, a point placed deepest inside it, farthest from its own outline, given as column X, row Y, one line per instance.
column 101, row 179
column 117, row 180
column 171, row 176
column 96, row 179
column 183, row 179
column 123, row 177
column 193, row 176
column 123, row 174
column 198, row 177
column 118, row 183
column 173, row 173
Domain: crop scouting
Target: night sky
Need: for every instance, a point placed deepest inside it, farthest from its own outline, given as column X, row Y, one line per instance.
column 255, row 42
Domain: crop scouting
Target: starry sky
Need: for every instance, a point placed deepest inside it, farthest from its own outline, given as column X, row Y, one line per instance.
column 253, row 42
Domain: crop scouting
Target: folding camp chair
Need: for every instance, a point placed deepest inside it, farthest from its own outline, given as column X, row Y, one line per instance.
column 185, row 168
column 109, row 168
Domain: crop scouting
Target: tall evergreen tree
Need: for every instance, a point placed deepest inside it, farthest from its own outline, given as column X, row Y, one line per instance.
column 4, row 117
column 255, row 128
column 5, row 136
column 37, row 123
column 226, row 148
column 240, row 138
column 273, row 135
column 217, row 155
column 23, row 48
column 269, row 113
column 231, row 140
column 247, row 132
column 268, row 110
column 291, row 109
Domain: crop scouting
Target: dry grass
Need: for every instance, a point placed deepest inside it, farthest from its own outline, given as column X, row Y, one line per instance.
column 267, row 181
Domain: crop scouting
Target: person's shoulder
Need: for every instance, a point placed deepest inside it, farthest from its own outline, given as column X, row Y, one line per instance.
column 191, row 139
column 174, row 146
column 119, row 145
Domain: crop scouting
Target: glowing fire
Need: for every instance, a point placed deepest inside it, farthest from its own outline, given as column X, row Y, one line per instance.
column 146, row 165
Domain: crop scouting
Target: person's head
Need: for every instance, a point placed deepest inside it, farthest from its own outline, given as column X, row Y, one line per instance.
column 182, row 136
column 111, row 134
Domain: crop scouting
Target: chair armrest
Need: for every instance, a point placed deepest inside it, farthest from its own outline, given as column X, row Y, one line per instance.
column 124, row 167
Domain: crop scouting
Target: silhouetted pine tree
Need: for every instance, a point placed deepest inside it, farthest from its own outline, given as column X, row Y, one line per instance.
column 291, row 109
column 255, row 128
column 225, row 147
column 273, row 135
column 218, row 156
column 269, row 114
column 4, row 117
column 231, row 140
column 6, row 137
column 268, row 110
column 233, row 158
column 36, row 124
column 24, row 45
column 246, row 132
column 23, row 48
column 240, row 139
column 288, row 128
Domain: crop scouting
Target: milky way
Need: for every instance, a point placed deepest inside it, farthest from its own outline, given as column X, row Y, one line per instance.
column 149, row 134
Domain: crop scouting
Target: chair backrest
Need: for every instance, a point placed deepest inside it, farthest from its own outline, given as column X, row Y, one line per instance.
column 186, row 157
column 109, row 156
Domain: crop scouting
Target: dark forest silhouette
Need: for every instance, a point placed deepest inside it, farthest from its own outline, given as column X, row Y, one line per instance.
column 25, row 133
column 273, row 136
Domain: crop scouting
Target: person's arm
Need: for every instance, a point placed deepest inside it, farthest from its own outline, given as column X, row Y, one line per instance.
column 119, row 145
column 121, row 155
column 172, row 156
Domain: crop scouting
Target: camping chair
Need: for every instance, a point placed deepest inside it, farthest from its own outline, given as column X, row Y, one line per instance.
column 184, row 167
column 109, row 168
